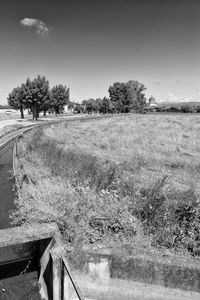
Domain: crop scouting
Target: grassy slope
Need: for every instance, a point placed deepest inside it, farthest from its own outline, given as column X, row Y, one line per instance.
column 116, row 169
column 144, row 146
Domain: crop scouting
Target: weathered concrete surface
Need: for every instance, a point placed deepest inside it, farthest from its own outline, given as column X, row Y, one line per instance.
column 172, row 274
column 118, row 289
column 27, row 233
column 179, row 272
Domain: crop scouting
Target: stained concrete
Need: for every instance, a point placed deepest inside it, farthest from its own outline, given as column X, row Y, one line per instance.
column 118, row 289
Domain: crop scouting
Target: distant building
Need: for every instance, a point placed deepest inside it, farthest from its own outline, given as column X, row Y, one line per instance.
column 153, row 106
column 68, row 109
column 152, row 100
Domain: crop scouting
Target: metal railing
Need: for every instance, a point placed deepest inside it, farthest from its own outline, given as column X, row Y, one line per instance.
column 69, row 287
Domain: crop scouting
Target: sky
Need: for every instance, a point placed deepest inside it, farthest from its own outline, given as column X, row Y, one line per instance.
column 88, row 45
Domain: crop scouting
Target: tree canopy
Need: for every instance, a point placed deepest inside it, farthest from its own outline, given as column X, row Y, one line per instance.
column 36, row 96
column 16, row 99
column 127, row 96
column 59, row 97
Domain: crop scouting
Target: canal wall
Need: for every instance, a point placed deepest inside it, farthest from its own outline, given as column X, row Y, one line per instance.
column 172, row 271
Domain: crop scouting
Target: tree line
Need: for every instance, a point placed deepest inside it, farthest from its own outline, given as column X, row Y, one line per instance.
column 123, row 97
column 177, row 109
column 37, row 96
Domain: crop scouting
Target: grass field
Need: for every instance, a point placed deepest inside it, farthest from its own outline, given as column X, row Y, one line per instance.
column 143, row 147
column 139, row 173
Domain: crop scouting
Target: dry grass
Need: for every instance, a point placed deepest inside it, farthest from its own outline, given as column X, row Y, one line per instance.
column 145, row 147
column 140, row 172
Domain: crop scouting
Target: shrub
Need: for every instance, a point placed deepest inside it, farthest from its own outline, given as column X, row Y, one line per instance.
column 173, row 220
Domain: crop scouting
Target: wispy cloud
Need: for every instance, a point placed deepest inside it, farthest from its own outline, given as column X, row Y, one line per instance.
column 40, row 26
column 156, row 83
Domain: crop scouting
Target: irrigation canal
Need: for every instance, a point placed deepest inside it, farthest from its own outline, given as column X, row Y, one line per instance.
column 19, row 287
column 6, row 186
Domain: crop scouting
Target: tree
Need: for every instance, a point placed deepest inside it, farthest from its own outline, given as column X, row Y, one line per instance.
column 46, row 105
column 127, row 96
column 98, row 102
column 16, row 99
column 90, row 105
column 78, row 108
column 37, row 94
column 135, row 98
column 107, row 106
column 59, row 97
column 71, row 105
column 117, row 95
column 185, row 109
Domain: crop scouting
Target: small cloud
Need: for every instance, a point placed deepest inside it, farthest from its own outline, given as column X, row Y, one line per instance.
column 156, row 83
column 40, row 26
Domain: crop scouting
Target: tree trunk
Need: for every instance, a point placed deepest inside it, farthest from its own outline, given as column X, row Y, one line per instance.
column 22, row 112
column 34, row 110
column 56, row 109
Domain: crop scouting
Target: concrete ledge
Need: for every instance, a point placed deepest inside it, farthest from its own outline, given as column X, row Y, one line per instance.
column 27, row 233
column 150, row 271
column 119, row 289
column 169, row 271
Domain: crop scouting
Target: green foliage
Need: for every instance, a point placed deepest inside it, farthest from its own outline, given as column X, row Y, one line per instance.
column 124, row 98
column 59, row 97
column 37, row 94
column 16, row 99
column 71, row 105
column 91, row 106
column 78, row 108
column 127, row 96
column 107, row 106
column 188, row 109
column 173, row 220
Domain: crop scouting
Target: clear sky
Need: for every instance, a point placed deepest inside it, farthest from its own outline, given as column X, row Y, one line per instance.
column 89, row 44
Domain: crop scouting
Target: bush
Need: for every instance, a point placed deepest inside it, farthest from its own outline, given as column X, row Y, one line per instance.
column 173, row 220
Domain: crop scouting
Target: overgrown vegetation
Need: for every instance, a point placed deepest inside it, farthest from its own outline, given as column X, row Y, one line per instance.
column 125, row 181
